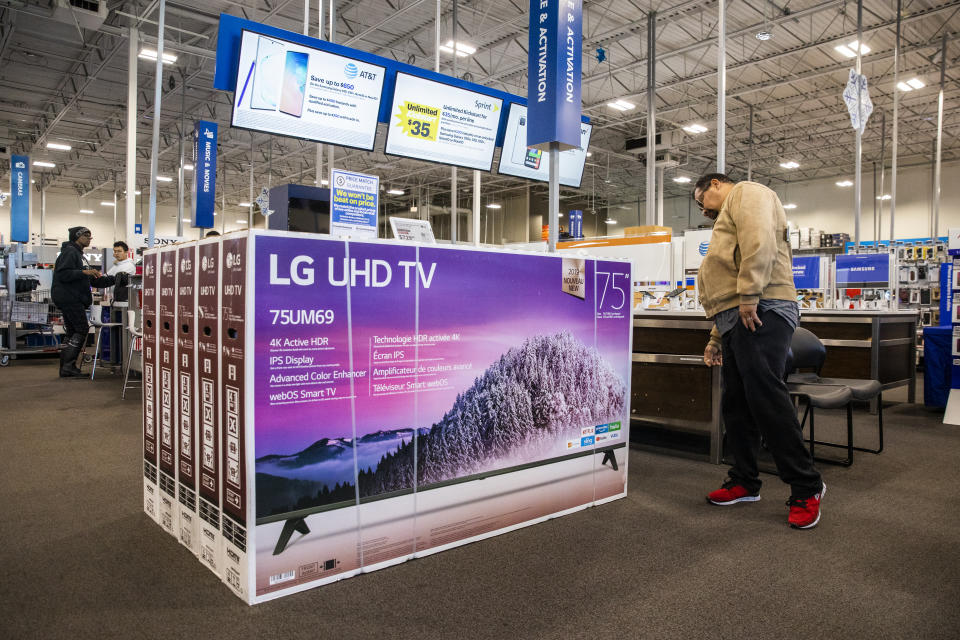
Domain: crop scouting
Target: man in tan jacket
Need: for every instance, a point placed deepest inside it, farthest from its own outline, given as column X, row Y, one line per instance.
column 746, row 287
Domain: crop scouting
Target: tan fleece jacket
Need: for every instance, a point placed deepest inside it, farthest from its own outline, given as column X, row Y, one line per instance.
column 749, row 256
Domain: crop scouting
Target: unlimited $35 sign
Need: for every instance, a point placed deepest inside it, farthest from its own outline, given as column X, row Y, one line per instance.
column 418, row 120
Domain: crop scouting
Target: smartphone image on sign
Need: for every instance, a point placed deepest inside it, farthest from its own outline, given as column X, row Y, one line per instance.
column 268, row 74
column 532, row 159
column 294, row 83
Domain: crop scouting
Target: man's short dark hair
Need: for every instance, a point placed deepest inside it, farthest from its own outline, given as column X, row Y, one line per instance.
column 121, row 244
column 705, row 181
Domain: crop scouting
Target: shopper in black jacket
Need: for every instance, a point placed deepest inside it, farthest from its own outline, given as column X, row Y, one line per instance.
column 72, row 278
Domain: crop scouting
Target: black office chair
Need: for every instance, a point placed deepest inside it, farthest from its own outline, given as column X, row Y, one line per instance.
column 863, row 390
column 807, row 352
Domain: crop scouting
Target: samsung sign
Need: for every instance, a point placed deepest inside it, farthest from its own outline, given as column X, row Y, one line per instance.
column 553, row 93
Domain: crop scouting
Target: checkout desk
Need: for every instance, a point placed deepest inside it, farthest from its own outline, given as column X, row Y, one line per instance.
column 675, row 397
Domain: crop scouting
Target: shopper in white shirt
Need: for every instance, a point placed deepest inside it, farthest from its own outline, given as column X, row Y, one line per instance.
column 121, row 263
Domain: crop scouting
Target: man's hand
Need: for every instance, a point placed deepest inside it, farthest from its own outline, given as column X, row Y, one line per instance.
column 749, row 317
column 93, row 273
column 712, row 356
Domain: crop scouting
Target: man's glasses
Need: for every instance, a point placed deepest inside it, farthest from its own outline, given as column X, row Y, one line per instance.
column 699, row 202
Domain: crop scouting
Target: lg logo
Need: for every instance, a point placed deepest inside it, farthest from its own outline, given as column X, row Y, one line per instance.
column 233, row 260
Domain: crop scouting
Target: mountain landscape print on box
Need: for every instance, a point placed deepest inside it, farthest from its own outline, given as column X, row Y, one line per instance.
column 523, row 408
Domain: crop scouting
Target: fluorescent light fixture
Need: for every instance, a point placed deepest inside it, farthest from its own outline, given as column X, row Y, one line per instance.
column 395, row 192
column 850, row 50
column 610, row 221
column 107, row 204
column 763, row 35
column 911, row 84
column 790, row 164
column 621, row 105
column 494, row 205
column 844, row 183
column 188, row 167
column 695, row 128
column 241, row 222
column 560, row 215
column 682, row 179
column 33, row 182
column 42, row 163
column 790, row 206
column 885, row 196
column 463, row 49
column 151, row 54
column 413, row 209
column 243, row 204
column 86, row 210
column 58, row 147
column 164, row 179
column 324, row 182
column 589, row 153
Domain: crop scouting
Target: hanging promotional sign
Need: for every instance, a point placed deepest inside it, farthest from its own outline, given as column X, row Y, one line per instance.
column 576, row 224
column 806, row 272
column 553, row 70
column 19, row 199
column 517, row 159
column 204, row 172
column 856, row 93
column 354, row 204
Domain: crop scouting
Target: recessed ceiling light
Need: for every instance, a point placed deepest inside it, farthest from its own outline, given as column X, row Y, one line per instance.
column 790, row 164
column 164, row 179
column 188, row 167
column 844, row 183
column 241, row 222
column 610, row 221
column 42, row 163
column 621, row 105
column 681, row 179
column 790, row 206
column 107, row 204
column 151, row 54
column 695, row 128
column 885, row 196
column 395, row 192
column 763, row 35
column 589, row 153
column 560, row 215
column 413, row 209
column 243, row 204
column 58, row 147
column 324, row 182
column 86, row 210
column 493, row 205
column 463, row 49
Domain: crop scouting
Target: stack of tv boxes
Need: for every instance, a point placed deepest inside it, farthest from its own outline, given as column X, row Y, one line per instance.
column 193, row 317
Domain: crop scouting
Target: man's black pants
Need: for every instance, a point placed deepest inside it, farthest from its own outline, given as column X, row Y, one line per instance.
column 75, row 322
column 756, row 404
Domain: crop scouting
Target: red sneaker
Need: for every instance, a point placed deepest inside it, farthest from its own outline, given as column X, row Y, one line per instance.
column 805, row 512
column 731, row 493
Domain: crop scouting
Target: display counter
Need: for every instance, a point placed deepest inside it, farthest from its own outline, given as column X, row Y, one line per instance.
column 675, row 398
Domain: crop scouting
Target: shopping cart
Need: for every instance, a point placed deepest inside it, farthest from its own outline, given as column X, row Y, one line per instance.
column 31, row 323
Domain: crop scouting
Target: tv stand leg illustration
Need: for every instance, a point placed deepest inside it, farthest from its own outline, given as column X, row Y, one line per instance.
column 294, row 524
column 608, row 456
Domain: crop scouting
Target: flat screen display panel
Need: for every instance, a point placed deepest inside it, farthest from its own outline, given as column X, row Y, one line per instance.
column 293, row 90
column 517, row 159
column 440, row 123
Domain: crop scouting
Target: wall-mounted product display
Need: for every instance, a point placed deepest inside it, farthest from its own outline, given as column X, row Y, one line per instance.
column 517, row 159
column 294, row 90
column 441, row 123
column 354, row 440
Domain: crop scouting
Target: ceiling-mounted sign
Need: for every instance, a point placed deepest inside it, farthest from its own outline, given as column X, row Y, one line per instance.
column 204, row 173
column 517, row 159
column 553, row 72
column 442, row 123
column 19, row 199
column 294, row 90
column 856, row 93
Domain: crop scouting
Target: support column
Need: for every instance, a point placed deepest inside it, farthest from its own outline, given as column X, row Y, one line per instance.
column 331, row 153
column 454, row 212
column 858, row 178
column 155, row 148
column 939, row 156
column 750, row 148
column 476, row 209
column 651, row 117
column 721, row 87
column 660, row 196
column 131, row 178
column 896, row 118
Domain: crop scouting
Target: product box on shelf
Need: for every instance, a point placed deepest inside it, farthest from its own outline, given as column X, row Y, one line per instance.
column 208, row 401
column 185, row 329
column 151, row 489
column 167, row 387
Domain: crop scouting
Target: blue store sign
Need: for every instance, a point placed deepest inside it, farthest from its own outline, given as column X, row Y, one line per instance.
column 204, row 173
column 576, row 224
column 553, row 69
column 19, row 199
column 806, row 272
